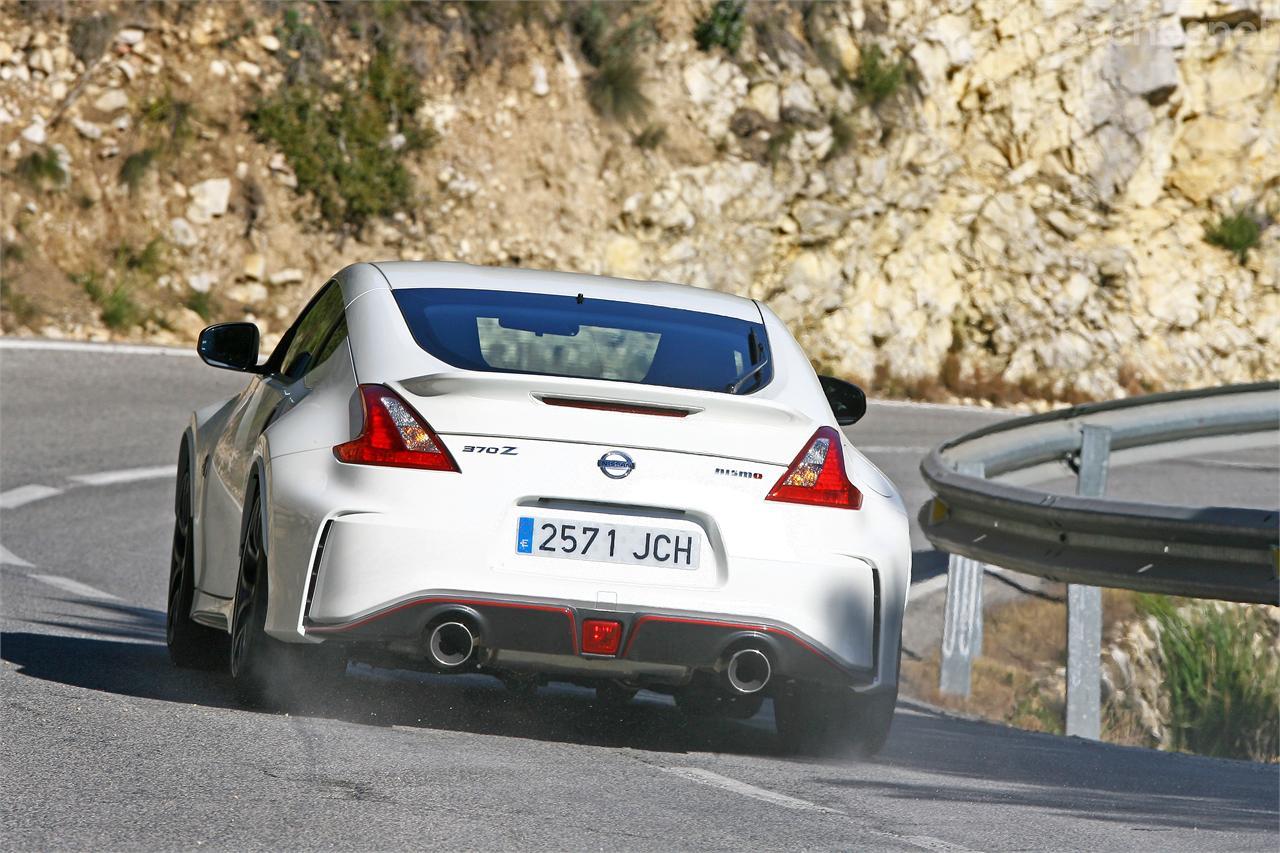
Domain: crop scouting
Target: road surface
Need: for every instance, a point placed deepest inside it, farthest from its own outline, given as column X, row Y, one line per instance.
column 106, row 746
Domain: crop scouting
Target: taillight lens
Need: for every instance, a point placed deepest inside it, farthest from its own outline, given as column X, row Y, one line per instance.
column 394, row 435
column 601, row 637
column 817, row 476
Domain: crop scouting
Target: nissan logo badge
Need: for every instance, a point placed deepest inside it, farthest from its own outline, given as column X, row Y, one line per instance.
column 615, row 465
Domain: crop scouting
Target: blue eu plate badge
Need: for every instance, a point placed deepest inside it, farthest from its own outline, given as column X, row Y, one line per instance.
column 524, row 536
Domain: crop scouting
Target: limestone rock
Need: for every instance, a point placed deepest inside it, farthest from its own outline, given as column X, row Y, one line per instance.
column 111, row 101
column 254, row 267
column 209, row 199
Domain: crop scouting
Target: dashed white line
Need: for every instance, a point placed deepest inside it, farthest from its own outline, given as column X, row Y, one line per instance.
column 127, row 475
column 26, row 494
column 715, row 780
column 75, row 587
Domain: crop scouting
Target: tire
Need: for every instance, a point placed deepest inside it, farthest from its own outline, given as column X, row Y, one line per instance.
column 191, row 645
column 818, row 722
column 269, row 674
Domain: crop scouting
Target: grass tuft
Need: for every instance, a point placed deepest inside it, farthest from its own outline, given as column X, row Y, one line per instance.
column 878, row 79
column 1237, row 233
column 723, row 26
column 1222, row 677
column 615, row 90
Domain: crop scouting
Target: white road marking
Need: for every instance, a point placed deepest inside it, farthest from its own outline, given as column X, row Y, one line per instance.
column 715, row 780
column 127, row 475
column 9, row 558
column 75, row 587
column 14, row 498
column 90, row 346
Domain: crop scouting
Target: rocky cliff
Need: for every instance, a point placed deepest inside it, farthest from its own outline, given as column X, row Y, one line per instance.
column 1058, row 199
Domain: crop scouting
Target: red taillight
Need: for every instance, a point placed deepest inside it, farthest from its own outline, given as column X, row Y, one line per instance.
column 817, row 477
column 601, row 637
column 394, row 435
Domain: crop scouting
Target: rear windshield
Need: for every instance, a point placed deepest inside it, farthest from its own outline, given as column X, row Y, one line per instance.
column 505, row 332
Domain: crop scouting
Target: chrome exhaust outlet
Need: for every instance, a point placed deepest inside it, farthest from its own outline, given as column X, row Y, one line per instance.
column 451, row 645
column 748, row 671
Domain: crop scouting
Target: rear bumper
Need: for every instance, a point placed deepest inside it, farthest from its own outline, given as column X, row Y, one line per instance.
column 664, row 646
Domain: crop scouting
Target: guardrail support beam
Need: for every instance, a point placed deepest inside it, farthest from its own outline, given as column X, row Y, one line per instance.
column 1084, row 605
column 962, row 620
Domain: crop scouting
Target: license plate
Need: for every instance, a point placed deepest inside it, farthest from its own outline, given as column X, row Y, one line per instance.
column 608, row 543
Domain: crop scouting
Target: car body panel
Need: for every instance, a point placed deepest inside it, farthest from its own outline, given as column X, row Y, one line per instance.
column 350, row 542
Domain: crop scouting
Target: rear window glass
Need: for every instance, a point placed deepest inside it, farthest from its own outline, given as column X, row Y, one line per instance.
column 504, row 332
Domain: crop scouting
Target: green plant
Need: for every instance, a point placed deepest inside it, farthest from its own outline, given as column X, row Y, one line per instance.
column 615, row 89
column 135, row 166
column 877, row 79
column 722, row 26
column 1237, row 233
column 651, row 137
column 337, row 141
column 40, row 168
column 1222, row 677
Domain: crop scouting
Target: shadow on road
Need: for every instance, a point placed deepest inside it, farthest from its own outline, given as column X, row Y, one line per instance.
column 986, row 763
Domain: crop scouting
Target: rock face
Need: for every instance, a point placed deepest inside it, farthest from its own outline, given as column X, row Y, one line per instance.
column 1024, row 214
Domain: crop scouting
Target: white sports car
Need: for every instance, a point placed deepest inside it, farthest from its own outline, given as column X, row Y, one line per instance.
column 544, row 476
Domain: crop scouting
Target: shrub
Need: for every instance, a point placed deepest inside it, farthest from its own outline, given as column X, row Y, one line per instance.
column 337, row 142
column 1237, row 233
column 115, row 304
column 722, row 26
column 877, row 79
column 40, row 168
column 1222, row 677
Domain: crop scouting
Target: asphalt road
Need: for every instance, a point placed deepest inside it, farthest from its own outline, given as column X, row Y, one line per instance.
column 106, row 746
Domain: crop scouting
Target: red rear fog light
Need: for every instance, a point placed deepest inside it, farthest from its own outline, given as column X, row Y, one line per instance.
column 600, row 637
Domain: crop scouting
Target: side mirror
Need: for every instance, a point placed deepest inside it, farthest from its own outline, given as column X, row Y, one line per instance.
column 233, row 346
column 848, row 401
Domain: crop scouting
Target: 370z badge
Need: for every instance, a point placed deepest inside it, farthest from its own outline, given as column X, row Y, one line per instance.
column 615, row 465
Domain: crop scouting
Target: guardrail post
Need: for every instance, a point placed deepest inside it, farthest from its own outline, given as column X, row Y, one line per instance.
column 1084, row 604
column 962, row 621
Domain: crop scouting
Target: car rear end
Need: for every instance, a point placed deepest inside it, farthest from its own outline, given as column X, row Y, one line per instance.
column 574, row 485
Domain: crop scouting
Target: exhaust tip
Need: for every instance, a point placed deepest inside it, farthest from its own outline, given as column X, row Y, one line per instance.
column 748, row 671
column 451, row 645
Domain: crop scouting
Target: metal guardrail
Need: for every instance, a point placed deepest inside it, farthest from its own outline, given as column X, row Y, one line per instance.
column 1225, row 553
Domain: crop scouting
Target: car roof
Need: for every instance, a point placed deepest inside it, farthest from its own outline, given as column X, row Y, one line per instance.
column 417, row 274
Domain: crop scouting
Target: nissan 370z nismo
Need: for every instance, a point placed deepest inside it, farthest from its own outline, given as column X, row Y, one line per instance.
column 544, row 476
